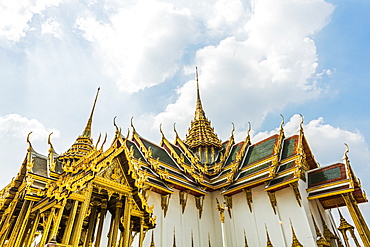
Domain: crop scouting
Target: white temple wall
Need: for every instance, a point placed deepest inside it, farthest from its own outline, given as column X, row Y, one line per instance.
column 288, row 210
column 185, row 224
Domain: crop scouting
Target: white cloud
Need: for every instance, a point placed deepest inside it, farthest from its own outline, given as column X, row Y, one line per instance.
column 274, row 65
column 51, row 26
column 142, row 44
column 16, row 126
column 16, row 15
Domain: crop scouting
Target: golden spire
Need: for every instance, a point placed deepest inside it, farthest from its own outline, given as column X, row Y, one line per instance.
column 201, row 133
column 152, row 243
column 199, row 112
column 87, row 130
column 295, row 242
column 350, row 173
column 84, row 144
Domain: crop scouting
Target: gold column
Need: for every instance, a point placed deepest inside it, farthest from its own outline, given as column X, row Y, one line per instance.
column 4, row 231
column 101, row 222
column 7, row 230
column 110, row 232
column 54, row 230
column 24, row 224
column 80, row 220
column 92, row 224
column 35, row 223
column 127, row 221
column 45, row 234
column 18, row 224
column 141, row 239
column 116, row 223
column 70, row 222
column 357, row 218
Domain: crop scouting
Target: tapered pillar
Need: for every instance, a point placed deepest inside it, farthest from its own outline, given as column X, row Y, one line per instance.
column 70, row 223
column 84, row 208
column 101, row 222
column 141, row 237
column 357, row 218
column 18, row 224
column 110, row 233
column 127, row 221
column 35, row 224
column 24, row 224
column 8, row 222
column 92, row 224
column 54, row 230
column 117, row 217
column 45, row 234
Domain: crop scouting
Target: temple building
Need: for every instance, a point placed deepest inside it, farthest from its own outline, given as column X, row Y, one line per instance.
column 196, row 191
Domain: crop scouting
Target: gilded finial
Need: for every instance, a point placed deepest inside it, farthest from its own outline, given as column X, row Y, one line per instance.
column 132, row 125
column 232, row 130
column 174, row 129
column 247, row 139
column 115, row 125
column 160, row 130
column 345, row 156
column 282, row 122
column 87, row 130
column 28, row 138
column 301, row 123
column 105, row 139
column 96, row 145
column 49, row 142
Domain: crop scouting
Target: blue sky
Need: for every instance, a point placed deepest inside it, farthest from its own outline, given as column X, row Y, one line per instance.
column 257, row 59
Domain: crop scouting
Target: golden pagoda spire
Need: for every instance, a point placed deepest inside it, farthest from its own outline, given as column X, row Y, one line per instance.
column 295, row 242
column 84, row 144
column 87, row 130
column 201, row 137
column 344, row 227
column 199, row 112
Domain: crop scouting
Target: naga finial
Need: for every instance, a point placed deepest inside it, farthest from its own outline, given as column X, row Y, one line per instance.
column 160, row 130
column 96, row 145
column 345, row 156
column 132, row 124
column 174, row 129
column 301, row 123
column 115, row 125
column 105, row 139
column 49, row 142
column 233, row 129
column 282, row 121
column 28, row 138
